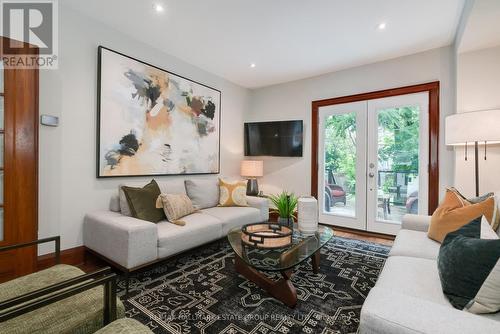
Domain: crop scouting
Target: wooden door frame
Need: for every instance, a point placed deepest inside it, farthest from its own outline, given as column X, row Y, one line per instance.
column 432, row 88
column 21, row 104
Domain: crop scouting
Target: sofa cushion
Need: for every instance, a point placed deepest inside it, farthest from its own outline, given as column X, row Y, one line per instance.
column 389, row 312
column 414, row 244
column 81, row 313
column 455, row 211
column 231, row 217
column 203, row 192
column 124, row 240
column 125, row 326
column 415, row 222
column 414, row 277
column 175, row 206
column 493, row 217
column 486, row 230
column 469, row 268
column 124, row 207
column 199, row 229
column 172, row 186
column 232, row 193
column 142, row 202
column 114, row 203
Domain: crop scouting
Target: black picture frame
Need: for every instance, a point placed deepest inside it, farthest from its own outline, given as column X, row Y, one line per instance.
column 99, row 112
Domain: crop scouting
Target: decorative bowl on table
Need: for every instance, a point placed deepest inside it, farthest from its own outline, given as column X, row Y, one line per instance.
column 266, row 235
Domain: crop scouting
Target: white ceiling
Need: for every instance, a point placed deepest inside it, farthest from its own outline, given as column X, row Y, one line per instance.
column 286, row 39
column 483, row 26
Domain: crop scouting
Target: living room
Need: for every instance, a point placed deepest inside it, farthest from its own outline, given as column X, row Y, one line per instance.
column 264, row 167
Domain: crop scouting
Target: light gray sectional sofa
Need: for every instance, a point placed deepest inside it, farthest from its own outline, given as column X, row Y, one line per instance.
column 130, row 243
column 408, row 298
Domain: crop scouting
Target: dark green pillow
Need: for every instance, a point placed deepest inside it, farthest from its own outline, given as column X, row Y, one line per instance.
column 465, row 262
column 142, row 202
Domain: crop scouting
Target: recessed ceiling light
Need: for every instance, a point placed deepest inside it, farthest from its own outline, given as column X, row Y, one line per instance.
column 382, row 26
column 158, row 7
column 252, row 65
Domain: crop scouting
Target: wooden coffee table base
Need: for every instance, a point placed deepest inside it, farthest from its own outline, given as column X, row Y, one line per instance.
column 282, row 289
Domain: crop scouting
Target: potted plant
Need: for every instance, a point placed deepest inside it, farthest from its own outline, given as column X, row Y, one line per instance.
column 285, row 205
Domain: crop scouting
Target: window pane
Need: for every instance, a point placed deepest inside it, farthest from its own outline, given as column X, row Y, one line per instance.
column 1, row 150
column 1, row 111
column 1, row 77
column 1, row 224
column 398, row 162
column 340, row 165
column 1, row 187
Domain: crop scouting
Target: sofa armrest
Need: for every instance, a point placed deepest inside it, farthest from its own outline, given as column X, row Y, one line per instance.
column 124, row 240
column 416, row 222
column 389, row 312
column 261, row 203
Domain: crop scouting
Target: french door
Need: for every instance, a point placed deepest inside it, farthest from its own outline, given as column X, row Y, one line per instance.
column 373, row 162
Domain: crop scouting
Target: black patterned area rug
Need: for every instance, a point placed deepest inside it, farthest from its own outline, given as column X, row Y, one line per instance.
column 200, row 292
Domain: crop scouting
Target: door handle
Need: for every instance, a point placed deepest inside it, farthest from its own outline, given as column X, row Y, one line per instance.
column 371, row 174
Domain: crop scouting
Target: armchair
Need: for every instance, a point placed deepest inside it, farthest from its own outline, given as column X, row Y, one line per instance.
column 61, row 298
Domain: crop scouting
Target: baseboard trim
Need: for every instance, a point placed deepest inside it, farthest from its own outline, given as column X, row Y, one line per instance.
column 73, row 256
column 362, row 232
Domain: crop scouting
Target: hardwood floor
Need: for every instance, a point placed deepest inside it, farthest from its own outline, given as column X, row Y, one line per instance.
column 358, row 236
column 92, row 263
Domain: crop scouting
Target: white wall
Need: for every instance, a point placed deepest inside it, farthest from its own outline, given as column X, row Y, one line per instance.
column 67, row 167
column 478, row 82
column 293, row 101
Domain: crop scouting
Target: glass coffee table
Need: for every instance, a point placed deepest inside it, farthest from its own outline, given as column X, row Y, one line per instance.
column 250, row 262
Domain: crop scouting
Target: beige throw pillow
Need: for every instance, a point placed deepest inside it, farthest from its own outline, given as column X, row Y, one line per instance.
column 175, row 207
column 232, row 193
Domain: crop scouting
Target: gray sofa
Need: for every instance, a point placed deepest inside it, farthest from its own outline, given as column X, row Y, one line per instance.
column 408, row 298
column 130, row 243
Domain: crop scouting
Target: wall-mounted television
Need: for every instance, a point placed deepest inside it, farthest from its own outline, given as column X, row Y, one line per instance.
column 279, row 139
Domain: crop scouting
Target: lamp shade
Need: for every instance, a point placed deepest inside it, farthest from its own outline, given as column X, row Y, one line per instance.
column 252, row 168
column 467, row 127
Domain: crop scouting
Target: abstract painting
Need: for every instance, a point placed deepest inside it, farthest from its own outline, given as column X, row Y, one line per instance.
column 154, row 122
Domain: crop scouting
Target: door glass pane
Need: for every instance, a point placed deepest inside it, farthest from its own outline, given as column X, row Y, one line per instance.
column 1, row 77
column 1, row 111
column 1, row 145
column 1, row 150
column 1, row 187
column 340, row 165
column 398, row 162
column 1, row 224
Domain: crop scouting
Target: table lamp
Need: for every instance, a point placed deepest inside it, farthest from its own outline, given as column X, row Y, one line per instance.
column 473, row 127
column 251, row 169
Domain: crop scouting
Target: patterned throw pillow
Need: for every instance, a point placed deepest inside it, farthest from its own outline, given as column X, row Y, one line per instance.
column 469, row 269
column 175, row 207
column 232, row 193
column 455, row 211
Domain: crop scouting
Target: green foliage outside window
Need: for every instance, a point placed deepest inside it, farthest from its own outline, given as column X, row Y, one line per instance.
column 398, row 144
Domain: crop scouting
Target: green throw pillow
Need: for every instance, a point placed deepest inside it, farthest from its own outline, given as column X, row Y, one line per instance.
column 142, row 202
column 469, row 268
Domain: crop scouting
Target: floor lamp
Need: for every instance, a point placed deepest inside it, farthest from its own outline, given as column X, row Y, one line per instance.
column 478, row 127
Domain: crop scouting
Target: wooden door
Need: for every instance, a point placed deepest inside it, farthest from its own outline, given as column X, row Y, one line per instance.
column 18, row 168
